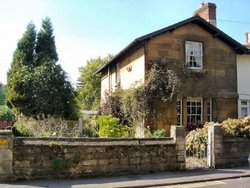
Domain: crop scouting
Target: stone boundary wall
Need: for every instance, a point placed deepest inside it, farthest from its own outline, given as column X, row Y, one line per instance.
column 235, row 151
column 35, row 158
column 228, row 151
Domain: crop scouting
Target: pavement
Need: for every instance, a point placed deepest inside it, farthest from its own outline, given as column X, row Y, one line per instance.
column 148, row 180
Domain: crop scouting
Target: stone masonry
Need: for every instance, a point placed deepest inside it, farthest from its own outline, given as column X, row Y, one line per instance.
column 228, row 151
column 6, row 156
column 66, row 157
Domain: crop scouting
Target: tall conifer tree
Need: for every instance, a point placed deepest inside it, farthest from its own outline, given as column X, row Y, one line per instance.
column 37, row 84
column 18, row 96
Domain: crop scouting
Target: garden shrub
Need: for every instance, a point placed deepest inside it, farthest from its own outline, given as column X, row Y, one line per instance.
column 6, row 114
column 159, row 133
column 197, row 139
column 230, row 127
column 22, row 130
column 236, row 127
column 109, row 127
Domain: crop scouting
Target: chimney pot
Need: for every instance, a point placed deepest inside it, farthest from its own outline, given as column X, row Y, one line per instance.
column 207, row 12
column 247, row 38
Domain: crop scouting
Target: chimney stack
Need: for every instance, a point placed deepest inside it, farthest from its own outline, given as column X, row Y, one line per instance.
column 207, row 12
column 248, row 38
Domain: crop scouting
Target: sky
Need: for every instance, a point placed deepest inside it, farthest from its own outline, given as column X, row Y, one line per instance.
column 86, row 29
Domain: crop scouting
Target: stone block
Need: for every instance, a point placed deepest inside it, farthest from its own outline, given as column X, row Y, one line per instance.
column 6, row 167
column 4, row 146
column 233, row 149
column 124, row 161
column 21, row 164
column 143, row 168
column 135, row 161
column 145, row 160
column 103, row 161
column 89, row 162
column 6, row 154
column 180, row 147
column 136, row 154
column 181, row 158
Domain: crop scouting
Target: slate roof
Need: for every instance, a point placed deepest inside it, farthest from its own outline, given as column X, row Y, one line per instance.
column 237, row 47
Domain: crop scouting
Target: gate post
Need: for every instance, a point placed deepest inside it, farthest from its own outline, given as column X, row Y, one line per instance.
column 215, row 137
column 6, row 157
column 80, row 126
column 178, row 134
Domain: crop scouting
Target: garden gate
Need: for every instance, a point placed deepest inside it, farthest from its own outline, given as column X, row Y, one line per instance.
column 197, row 151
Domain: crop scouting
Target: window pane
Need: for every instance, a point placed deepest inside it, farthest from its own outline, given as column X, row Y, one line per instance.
column 243, row 112
column 243, row 102
column 193, row 54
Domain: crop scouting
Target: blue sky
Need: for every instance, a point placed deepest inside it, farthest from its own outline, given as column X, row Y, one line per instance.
column 86, row 29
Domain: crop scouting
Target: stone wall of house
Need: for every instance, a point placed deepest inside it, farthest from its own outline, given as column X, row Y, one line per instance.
column 66, row 157
column 228, row 151
column 217, row 79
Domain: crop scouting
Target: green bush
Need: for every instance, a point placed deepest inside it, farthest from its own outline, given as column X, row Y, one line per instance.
column 236, row 127
column 230, row 127
column 6, row 114
column 159, row 133
column 21, row 130
column 109, row 127
column 197, row 139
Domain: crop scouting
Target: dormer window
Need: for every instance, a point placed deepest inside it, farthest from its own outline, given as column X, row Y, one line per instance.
column 194, row 55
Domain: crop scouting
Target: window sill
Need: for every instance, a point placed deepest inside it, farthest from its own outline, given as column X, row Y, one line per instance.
column 198, row 72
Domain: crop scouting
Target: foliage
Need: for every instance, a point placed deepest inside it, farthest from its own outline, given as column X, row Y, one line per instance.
column 109, row 127
column 112, row 105
column 60, row 163
column 197, row 139
column 230, row 127
column 164, row 81
column 18, row 96
column 159, row 133
column 194, row 125
column 90, row 128
column 89, row 91
column 6, row 114
column 45, row 46
column 236, row 127
column 36, row 84
column 2, row 94
column 22, row 130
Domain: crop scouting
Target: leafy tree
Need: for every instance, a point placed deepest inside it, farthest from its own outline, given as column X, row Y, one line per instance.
column 90, row 92
column 2, row 94
column 22, row 63
column 5, row 112
column 36, row 83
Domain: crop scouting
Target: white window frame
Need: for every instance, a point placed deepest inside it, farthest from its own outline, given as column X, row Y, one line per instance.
column 195, row 99
column 194, row 54
column 179, row 114
column 241, row 106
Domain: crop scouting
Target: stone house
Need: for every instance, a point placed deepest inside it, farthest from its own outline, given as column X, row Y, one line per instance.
column 206, row 50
